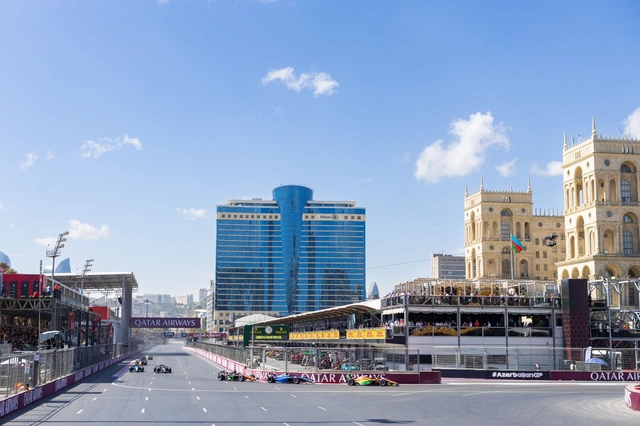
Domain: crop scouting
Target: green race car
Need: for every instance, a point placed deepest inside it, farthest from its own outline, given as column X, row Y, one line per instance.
column 369, row 381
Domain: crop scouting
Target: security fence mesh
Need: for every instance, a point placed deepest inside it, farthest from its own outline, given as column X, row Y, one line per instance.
column 19, row 370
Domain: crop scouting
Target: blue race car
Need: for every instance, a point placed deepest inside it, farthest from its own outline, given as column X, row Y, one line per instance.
column 287, row 378
column 137, row 367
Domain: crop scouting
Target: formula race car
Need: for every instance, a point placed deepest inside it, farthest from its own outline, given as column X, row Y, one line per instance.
column 137, row 367
column 369, row 381
column 287, row 378
column 161, row 368
column 149, row 357
column 234, row 376
column 143, row 360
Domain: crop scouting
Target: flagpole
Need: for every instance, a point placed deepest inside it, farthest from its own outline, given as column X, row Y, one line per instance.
column 511, row 251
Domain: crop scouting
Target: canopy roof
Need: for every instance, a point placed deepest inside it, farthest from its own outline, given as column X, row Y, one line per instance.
column 370, row 307
column 99, row 281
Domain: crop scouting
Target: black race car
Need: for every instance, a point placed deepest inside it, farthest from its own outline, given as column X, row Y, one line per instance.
column 235, row 376
column 143, row 360
column 149, row 357
column 161, row 368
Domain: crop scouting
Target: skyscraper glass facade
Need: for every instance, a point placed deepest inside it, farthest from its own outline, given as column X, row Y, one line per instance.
column 289, row 255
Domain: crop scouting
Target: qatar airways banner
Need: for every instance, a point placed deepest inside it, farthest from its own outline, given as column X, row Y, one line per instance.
column 136, row 322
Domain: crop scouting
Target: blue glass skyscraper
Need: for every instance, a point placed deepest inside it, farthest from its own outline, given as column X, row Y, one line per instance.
column 288, row 255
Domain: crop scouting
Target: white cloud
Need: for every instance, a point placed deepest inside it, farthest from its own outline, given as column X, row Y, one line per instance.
column 406, row 157
column 507, row 169
column 632, row 124
column 51, row 155
column 553, row 168
column 96, row 149
column 84, row 231
column 29, row 161
column 193, row 214
column 466, row 153
column 320, row 82
column 77, row 231
column 46, row 242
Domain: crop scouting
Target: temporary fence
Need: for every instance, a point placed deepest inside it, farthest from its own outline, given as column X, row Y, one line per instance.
column 318, row 358
column 20, row 370
column 535, row 358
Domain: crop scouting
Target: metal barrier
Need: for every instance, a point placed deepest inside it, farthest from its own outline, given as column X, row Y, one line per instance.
column 21, row 369
column 535, row 358
column 317, row 358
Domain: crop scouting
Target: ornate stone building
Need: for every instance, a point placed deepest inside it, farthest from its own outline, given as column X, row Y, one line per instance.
column 490, row 217
column 598, row 232
column 601, row 205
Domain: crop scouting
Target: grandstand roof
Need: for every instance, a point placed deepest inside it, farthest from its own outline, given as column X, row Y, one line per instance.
column 370, row 306
column 99, row 281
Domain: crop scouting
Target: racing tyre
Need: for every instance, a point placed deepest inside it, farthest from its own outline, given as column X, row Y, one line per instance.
column 241, row 378
column 351, row 382
column 169, row 370
column 271, row 380
column 296, row 380
column 383, row 382
column 220, row 377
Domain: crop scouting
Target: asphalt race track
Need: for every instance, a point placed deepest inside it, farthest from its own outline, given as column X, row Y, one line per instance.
column 192, row 395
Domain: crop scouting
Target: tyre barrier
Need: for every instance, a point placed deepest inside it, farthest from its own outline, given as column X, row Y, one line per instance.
column 632, row 397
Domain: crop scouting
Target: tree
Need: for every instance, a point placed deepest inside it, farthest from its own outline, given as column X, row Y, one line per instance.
column 7, row 268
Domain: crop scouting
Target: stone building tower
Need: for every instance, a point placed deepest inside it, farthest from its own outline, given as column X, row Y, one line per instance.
column 490, row 217
column 601, row 208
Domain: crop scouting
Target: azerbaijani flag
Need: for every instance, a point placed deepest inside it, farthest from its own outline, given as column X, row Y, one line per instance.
column 516, row 245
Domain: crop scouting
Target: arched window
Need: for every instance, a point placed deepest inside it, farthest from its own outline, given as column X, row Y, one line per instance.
column 627, row 242
column 505, row 213
column 627, row 219
column 504, row 230
column 625, row 191
column 625, row 168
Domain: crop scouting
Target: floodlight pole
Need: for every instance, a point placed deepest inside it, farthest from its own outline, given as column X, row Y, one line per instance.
column 87, row 267
column 56, row 251
column 53, row 254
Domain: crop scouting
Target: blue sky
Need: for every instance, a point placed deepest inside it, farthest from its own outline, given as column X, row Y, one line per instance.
column 127, row 122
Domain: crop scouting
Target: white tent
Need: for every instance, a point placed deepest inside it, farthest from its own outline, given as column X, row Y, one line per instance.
column 48, row 335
